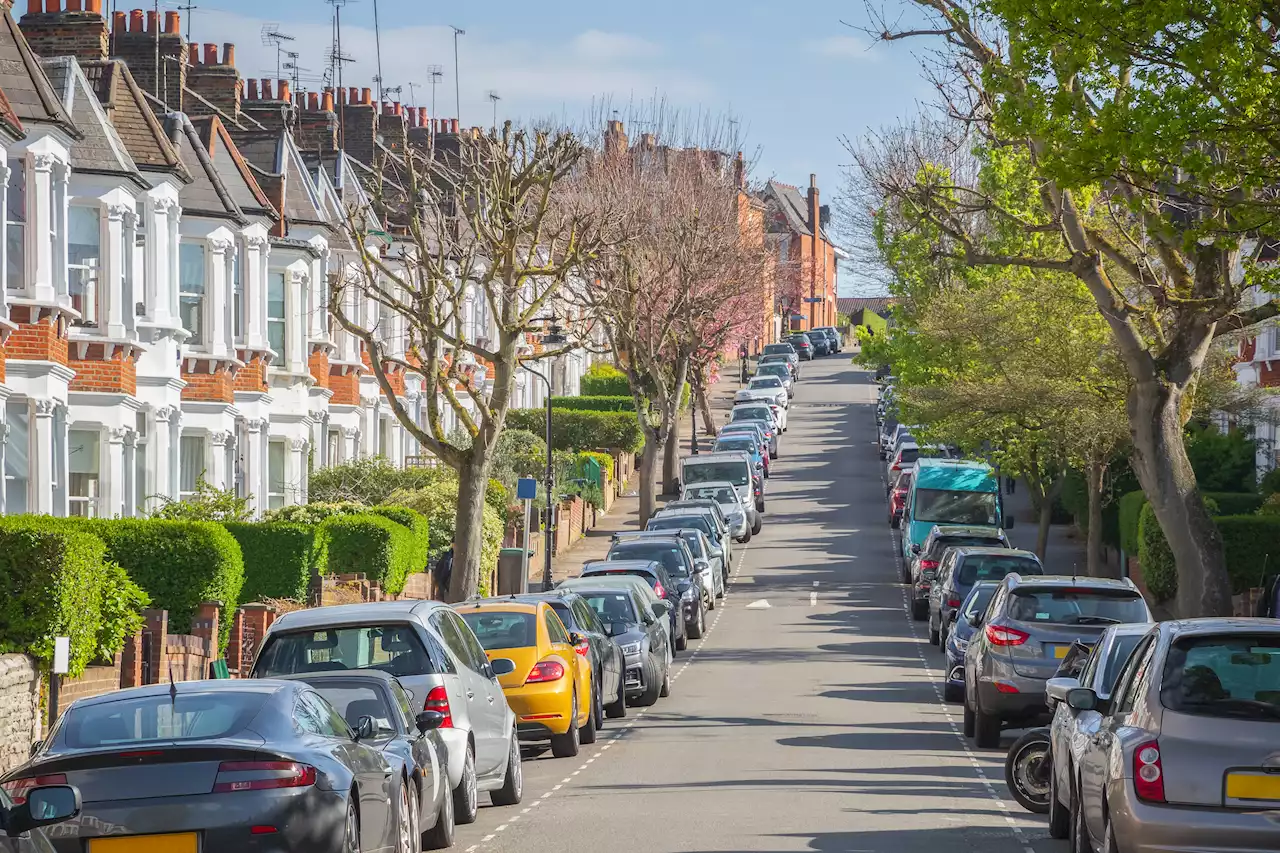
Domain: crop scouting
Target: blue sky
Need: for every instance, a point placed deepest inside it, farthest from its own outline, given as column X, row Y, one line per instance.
column 795, row 76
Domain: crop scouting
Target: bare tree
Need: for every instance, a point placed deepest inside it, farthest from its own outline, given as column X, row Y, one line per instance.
column 460, row 253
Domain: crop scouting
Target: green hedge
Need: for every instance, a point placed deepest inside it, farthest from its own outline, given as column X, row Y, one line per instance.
column 415, row 550
column 595, row 404
column 605, row 380
column 578, row 430
column 1227, row 503
column 1251, row 544
column 1158, row 568
column 280, row 558
column 371, row 544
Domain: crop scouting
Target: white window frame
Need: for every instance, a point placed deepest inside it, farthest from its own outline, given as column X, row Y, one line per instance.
column 199, row 337
column 91, row 299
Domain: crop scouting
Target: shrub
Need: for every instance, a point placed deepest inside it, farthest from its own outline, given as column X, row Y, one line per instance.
column 1158, row 569
column 1222, row 461
column 578, row 430
column 1252, row 546
column 314, row 513
column 595, row 404
column 361, row 544
column 439, row 503
column 1270, row 482
column 1131, row 506
column 603, row 459
column 366, row 481
column 280, row 558
column 1235, row 503
column 413, row 551
column 206, row 504
column 1219, row 503
column 122, row 603
column 605, row 380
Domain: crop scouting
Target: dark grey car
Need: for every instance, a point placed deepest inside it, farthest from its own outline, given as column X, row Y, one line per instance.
column 638, row 631
column 22, row 823
column 1028, row 628
column 214, row 759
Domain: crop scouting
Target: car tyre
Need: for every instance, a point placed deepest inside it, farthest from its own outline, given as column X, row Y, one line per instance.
column 904, row 574
column 466, row 797
column 1059, row 815
column 698, row 628
column 665, row 690
column 919, row 610
column 1078, row 838
column 970, row 719
column 567, row 744
column 351, row 832
column 944, row 637
column 407, row 837
column 512, row 790
column 682, row 642
column 652, row 688
column 986, row 730
column 617, row 709
column 953, row 693
column 1109, row 843
column 587, row 735
column 935, row 636
column 755, row 528
column 893, row 522
column 440, row 836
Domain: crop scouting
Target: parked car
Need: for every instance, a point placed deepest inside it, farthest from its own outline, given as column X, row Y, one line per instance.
column 602, row 652
column 765, row 387
column 378, row 706
column 834, row 344
column 950, row 492
column 926, row 557
column 1028, row 628
column 803, row 346
column 761, row 413
column 960, row 634
column 638, row 630
column 780, row 348
column 639, row 584
column 669, row 548
column 898, row 495
column 40, row 806
column 691, row 527
column 744, row 443
column 961, row 567
column 780, row 371
column 734, row 468
column 1070, row 729
column 549, row 687
column 431, row 650
column 821, row 344
column 202, row 763
column 728, row 504
column 638, row 559
column 761, row 430
column 1184, row 758
column 906, row 455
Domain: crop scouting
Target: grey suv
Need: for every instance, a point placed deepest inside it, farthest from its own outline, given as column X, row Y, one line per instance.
column 1019, row 642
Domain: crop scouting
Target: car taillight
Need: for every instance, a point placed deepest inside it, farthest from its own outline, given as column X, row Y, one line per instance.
column 897, row 466
column 17, row 788
column 998, row 635
column 657, row 588
column 928, row 565
column 547, row 670
column 954, row 602
column 1148, row 775
column 262, row 776
column 438, row 700
column 582, row 648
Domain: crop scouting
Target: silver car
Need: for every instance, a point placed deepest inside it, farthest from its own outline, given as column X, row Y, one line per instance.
column 740, row 515
column 1186, row 757
column 431, row 650
column 1071, row 730
column 707, row 557
column 721, row 524
column 782, row 372
column 1027, row 630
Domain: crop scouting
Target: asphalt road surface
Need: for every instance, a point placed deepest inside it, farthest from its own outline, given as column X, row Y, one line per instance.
column 815, row 724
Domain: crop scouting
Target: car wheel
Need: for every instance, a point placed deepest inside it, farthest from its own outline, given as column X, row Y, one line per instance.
column 351, row 833
column 711, row 599
column 893, row 522
column 617, row 709
column 919, row 610
column 952, row 693
column 512, row 790
column 652, row 688
column 1059, row 815
column 682, row 642
column 695, row 630
column 935, row 636
column 466, row 796
column 588, row 733
column 1109, row 843
column 440, row 836
column 407, row 838
column 756, row 527
column 986, row 730
column 566, row 745
column 665, row 690
column 1025, row 771
column 969, row 719
column 944, row 637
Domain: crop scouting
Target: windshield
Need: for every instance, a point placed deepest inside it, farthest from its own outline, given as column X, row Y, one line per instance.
column 1076, row 606
column 774, row 349
column 709, row 472
column 988, row 567
column 391, row 648
column 946, row 507
column 612, row 606
column 1120, row 651
column 719, row 494
column 908, row 454
column 671, row 557
column 746, row 445
column 354, row 701
column 675, row 522
column 978, row 601
column 775, row 358
column 186, row 716
column 766, row 382
column 1232, row 675
column 502, row 630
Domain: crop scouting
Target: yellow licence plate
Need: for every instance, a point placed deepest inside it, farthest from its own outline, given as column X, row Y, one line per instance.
column 1253, row 786
column 1060, row 651
column 185, row 842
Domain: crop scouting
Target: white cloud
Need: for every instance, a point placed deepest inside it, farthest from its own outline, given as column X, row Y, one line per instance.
column 611, row 47
column 841, row 47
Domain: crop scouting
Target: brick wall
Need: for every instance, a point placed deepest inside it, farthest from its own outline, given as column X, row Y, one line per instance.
column 416, row 586
column 37, row 340
column 214, row 78
column 20, row 722
column 247, row 630
column 95, row 681
column 96, row 372
column 395, row 378
column 216, row 387
column 346, row 389
column 136, row 44
column 80, row 33
column 187, row 657
column 318, row 364
column 253, row 376
column 2, row 357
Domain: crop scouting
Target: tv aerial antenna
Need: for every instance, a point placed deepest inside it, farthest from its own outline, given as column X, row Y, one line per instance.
column 437, row 74
column 273, row 37
column 494, row 97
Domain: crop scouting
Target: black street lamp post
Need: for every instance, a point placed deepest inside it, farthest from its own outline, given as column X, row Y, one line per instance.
column 554, row 336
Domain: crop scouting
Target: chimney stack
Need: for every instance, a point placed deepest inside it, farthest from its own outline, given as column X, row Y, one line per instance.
column 79, row 30
column 815, row 214
column 216, row 80
column 317, row 128
column 137, row 44
column 274, row 107
column 359, row 124
column 740, row 171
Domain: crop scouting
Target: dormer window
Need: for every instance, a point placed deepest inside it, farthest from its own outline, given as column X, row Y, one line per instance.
column 84, row 261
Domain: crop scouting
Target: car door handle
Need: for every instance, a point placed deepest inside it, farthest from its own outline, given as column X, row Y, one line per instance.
column 471, row 694
column 490, row 698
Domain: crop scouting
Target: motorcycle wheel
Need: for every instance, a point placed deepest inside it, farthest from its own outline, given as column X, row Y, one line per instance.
column 1028, row 769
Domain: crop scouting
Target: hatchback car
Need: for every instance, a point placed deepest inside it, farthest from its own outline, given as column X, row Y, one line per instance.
column 761, row 413
column 834, row 344
column 958, row 637
column 687, row 570
column 744, row 443
column 550, row 688
column 805, row 347
column 765, row 387
column 927, row 556
column 1185, row 754
column 637, row 630
column 726, row 501
column 638, row 559
column 1029, row 627
column 692, row 527
column 964, row 565
column 778, row 371
column 601, row 651
column 898, row 495
column 790, row 359
column 431, row 650
column 905, row 456
column 763, row 432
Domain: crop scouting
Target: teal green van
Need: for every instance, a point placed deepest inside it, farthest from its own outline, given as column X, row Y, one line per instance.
column 950, row 491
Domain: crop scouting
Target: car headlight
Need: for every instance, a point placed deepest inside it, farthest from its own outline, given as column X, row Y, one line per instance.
column 687, row 595
column 961, row 643
column 631, row 650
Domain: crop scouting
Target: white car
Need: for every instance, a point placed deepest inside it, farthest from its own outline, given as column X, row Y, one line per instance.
column 905, row 456
column 782, row 371
column 767, row 388
column 778, row 412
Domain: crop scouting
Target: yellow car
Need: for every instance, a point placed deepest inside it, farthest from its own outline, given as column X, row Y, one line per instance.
column 550, row 690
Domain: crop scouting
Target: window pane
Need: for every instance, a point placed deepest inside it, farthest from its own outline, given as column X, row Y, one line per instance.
column 17, row 460
column 237, row 291
column 276, row 456
column 275, row 312
column 82, row 469
column 140, row 480
column 191, row 290
column 84, row 241
column 192, row 462
column 15, row 217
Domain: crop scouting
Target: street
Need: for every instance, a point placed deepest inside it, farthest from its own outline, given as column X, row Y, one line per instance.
column 812, row 724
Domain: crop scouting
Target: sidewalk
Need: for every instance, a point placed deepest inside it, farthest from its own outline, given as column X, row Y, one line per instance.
column 1066, row 552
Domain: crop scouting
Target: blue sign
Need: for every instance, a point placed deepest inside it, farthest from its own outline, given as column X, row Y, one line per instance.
column 813, row 299
column 526, row 489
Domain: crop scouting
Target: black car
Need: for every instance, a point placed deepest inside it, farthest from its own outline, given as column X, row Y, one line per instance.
column 22, row 817
column 804, row 346
column 670, row 549
column 821, row 343
column 833, row 338
column 638, row 631
column 379, row 709
column 607, row 665
column 928, row 556
column 215, row 760
column 640, row 562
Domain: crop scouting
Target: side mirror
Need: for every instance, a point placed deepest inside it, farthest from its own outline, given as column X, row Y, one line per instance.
column 502, row 666
column 45, row 806
column 915, row 549
column 428, row 720
column 662, row 608
column 1058, row 688
column 702, row 565
column 366, row 728
column 35, row 747
column 576, row 638
column 616, row 629
column 976, row 620
column 1082, row 699
column 1008, row 522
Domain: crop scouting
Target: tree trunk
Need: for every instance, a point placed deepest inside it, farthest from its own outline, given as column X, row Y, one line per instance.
column 468, row 540
column 1042, row 529
column 1161, row 464
column 647, row 468
column 1042, row 498
column 704, row 404
column 1094, row 474
column 671, row 458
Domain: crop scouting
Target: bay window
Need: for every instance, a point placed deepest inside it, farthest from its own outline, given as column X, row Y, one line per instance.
column 15, row 227
column 238, row 303
column 84, row 260
column 277, row 457
column 277, row 333
column 191, row 291
column 84, row 474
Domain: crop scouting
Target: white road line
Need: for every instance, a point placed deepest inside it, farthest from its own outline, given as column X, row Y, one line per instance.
column 813, row 599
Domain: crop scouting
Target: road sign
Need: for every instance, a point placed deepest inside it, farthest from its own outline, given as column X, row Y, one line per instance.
column 813, row 299
column 526, row 489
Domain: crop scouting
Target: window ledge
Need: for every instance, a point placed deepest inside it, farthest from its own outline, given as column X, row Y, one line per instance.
column 80, row 341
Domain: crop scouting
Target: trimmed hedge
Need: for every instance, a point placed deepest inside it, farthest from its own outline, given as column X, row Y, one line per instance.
column 595, row 404
column 280, row 558
column 415, row 551
column 1158, row 568
column 1251, row 544
column 381, row 549
column 605, row 461
column 1131, row 505
column 579, row 430
column 605, row 380
column 122, row 604
column 1222, row 503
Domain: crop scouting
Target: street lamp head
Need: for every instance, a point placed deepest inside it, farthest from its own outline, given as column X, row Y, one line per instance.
column 555, row 335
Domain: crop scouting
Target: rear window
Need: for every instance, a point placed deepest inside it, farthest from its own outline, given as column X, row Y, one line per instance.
column 909, row 454
column 771, row 349
column 187, row 716
column 671, row 557
column 1076, row 606
column 391, row 648
column 1234, row 675
column 698, row 522
column 727, row 472
column 766, row 382
column 612, row 606
column 942, row 543
column 502, row 630
column 752, row 413
column 747, row 444
column 354, row 701
column 992, row 568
